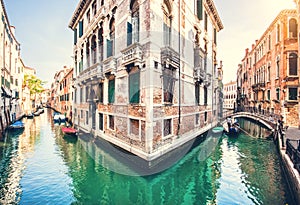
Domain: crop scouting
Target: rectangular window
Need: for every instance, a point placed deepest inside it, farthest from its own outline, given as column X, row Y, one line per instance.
column 75, row 36
column 268, row 95
column 87, row 93
column 134, row 87
column 205, row 95
column 101, row 91
column 94, row 7
column 134, row 127
column 205, row 116
column 197, row 119
column 86, row 117
column 80, row 28
column 215, row 38
column 109, row 48
column 129, row 33
column 100, row 121
column 293, row 93
column 88, row 16
column 199, row 9
column 81, row 114
column 197, row 93
column 111, row 91
column 277, row 93
column 111, row 121
column 167, row 127
column 168, row 85
column 81, row 95
column 80, row 66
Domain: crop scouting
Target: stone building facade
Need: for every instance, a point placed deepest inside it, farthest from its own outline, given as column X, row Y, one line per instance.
column 230, row 92
column 268, row 76
column 298, row 18
column 145, row 72
column 9, row 57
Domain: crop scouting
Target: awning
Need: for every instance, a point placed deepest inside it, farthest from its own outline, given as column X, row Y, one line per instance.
column 5, row 92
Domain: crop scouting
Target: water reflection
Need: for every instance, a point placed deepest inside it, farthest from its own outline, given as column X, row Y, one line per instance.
column 41, row 165
column 253, row 129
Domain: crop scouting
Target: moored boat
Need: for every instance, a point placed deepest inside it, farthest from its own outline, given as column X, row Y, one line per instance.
column 59, row 118
column 17, row 125
column 68, row 130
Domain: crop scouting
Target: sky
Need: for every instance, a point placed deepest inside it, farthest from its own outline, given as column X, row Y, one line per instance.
column 47, row 42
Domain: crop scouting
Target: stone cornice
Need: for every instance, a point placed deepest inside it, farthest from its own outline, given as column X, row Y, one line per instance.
column 286, row 12
column 79, row 11
column 6, row 18
column 212, row 11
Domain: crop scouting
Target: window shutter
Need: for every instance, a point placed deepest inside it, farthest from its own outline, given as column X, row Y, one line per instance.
column 80, row 28
column 199, row 9
column 75, row 36
column 134, row 87
column 109, row 48
column 111, row 91
column 129, row 33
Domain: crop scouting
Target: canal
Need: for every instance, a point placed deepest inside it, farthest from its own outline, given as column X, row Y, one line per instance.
column 41, row 166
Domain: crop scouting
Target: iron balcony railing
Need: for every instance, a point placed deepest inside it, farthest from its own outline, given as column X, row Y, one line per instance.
column 293, row 151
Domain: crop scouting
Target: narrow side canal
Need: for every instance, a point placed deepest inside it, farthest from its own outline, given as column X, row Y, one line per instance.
column 41, row 166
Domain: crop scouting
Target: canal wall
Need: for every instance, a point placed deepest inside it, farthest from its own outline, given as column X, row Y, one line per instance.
column 291, row 174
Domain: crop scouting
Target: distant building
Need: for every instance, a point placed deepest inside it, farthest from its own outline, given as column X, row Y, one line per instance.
column 9, row 56
column 61, row 92
column 268, row 76
column 298, row 18
column 229, row 95
column 146, row 72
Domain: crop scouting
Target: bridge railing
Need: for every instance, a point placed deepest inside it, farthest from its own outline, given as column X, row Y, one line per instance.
column 266, row 114
column 294, row 153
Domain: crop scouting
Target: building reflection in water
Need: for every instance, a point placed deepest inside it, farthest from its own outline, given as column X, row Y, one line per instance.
column 254, row 129
column 190, row 180
column 15, row 146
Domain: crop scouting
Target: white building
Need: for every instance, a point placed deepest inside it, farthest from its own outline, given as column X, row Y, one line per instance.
column 9, row 57
column 145, row 72
column 230, row 93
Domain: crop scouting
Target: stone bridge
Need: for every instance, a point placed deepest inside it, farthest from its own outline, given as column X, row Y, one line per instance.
column 267, row 120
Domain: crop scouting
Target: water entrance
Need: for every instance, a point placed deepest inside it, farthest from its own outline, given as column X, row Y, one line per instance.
column 40, row 165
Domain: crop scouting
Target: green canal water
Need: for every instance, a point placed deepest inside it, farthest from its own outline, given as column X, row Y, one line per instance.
column 41, row 166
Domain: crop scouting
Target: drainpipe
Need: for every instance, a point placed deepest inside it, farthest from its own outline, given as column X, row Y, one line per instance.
column 179, row 70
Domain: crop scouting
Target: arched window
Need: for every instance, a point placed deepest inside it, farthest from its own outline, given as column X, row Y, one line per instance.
column 111, row 40
column 87, row 52
column 293, row 28
column 100, row 42
column 278, row 33
column 167, row 27
column 94, row 49
column 277, row 66
column 269, row 72
column 293, row 64
column 135, row 20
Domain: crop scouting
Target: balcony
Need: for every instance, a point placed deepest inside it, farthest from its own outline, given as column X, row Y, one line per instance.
column 169, row 57
column 110, row 65
column 259, row 86
column 88, row 74
column 132, row 54
column 199, row 74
